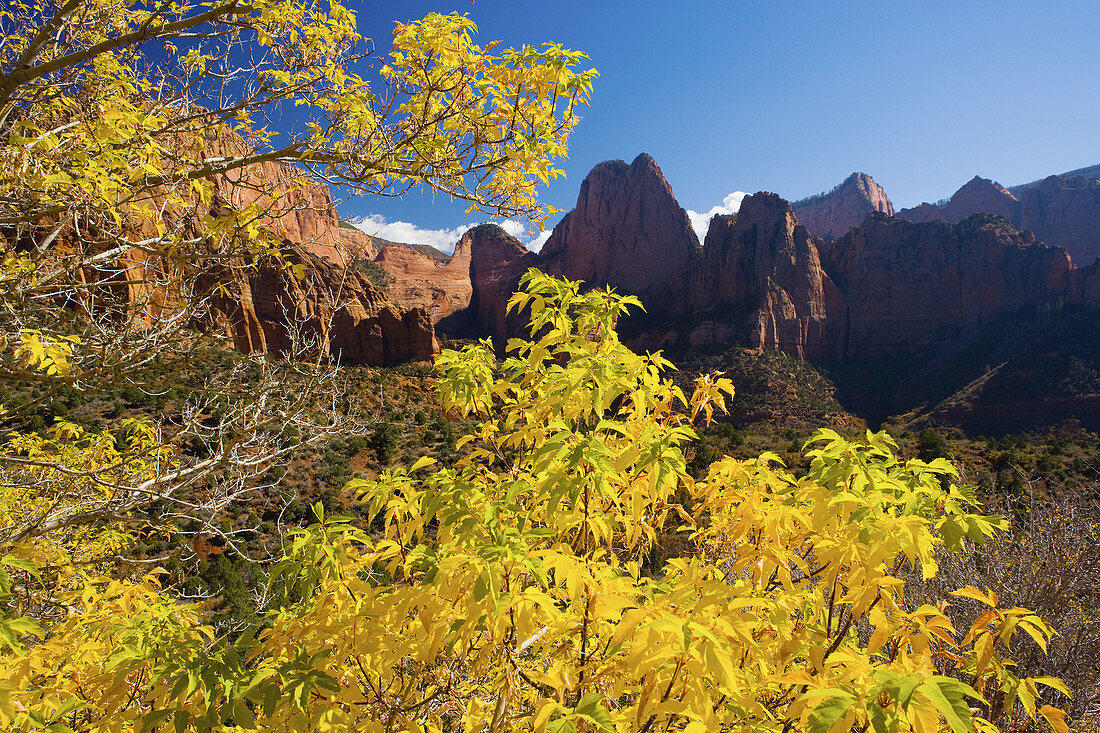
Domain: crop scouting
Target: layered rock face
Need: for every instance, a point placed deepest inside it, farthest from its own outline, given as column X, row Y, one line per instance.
column 832, row 214
column 292, row 205
column 337, row 311
column 331, row 311
column 916, row 288
column 355, row 245
column 761, row 272
column 468, row 294
column 629, row 232
column 1060, row 210
column 421, row 282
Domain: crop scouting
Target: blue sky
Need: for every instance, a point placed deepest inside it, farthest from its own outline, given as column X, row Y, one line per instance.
column 791, row 97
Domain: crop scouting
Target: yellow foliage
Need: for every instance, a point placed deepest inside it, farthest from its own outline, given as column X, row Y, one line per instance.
column 519, row 590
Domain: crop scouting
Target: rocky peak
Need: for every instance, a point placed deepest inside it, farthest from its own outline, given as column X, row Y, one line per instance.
column 981, row 195
column 487, row 244
column 627, row 231
column 831, row 214
column 494, row 261
column 761, row 273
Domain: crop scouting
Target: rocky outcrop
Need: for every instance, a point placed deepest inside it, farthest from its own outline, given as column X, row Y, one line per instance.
column 1091, row 172
column 289, row 202
column 627, row 231
column 829, row 215
column 356, row 245
column 421, row 282
column 330, row 311
column 1060, row 210
column 467, row 295
column 761, row 273
column 495, row 261
column 915, row 288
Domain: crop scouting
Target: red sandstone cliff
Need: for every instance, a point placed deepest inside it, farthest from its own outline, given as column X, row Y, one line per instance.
column 830, row 215
column 627, row 231
column 761, row 273
column 981, row 195
column 331, row 311
column 292, row 204
column 495, row 261
column 916, row 288
column 337, row 310
column 421, row 282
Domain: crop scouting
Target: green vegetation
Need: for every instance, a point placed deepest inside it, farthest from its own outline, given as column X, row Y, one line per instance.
column 375, row 273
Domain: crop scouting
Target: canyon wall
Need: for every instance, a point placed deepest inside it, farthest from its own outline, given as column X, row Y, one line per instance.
column 627, row 231
column 761, row 274
column 1061, row 210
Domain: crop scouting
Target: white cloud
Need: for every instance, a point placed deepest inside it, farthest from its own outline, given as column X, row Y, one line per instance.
column 402, row 231
column 442, row 239
column 700, row 221
column 535, row 245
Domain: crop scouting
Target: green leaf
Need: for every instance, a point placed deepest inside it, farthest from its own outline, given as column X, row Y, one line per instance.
column 830, row 711
column 949, row 696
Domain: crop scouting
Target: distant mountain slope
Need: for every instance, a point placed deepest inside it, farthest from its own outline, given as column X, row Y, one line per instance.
column 1092, row 171
column 1035, row 374
column 1061, row 210
column 831, row 214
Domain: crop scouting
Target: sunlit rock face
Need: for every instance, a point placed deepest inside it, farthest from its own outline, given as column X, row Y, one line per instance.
column 832, row 214
column 761, row 273
column 629, row 232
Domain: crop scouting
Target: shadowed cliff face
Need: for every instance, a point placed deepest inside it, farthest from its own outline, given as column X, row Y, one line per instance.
column 832, row 214
column 497, row 261
column 886, row 288
column 1060, row 210
column 629, row 232
column 761, row 273
column 915, row 288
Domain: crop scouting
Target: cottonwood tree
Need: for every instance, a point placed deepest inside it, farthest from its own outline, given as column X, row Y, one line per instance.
column 147, row 153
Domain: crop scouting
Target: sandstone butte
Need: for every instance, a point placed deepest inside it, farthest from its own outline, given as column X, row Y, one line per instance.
column 339, row 312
